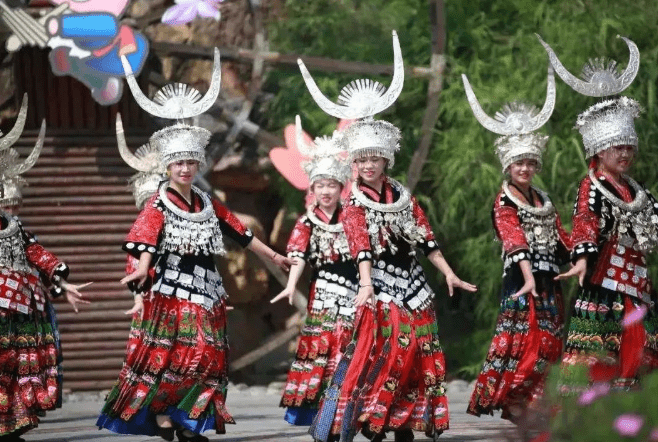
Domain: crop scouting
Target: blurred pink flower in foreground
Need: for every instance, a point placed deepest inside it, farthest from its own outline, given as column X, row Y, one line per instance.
column 184, row 11
column 635, row 316
column 596, row 390
column 628, row 424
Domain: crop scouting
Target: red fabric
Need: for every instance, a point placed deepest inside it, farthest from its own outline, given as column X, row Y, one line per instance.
column 41, row 258
column 224, row 214
column 585, row 222
column 508, row 227
column 148, row 225
column 400, row 348
column 633, row 339
column 356, row 230
column 299, row 237
column 421, row 219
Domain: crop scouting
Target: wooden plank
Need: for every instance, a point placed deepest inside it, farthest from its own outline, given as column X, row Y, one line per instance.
column 438, row 65
column 313, row 63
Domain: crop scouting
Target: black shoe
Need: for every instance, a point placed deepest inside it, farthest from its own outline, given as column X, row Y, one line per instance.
column 11, row 437
column 180, row 434
column 166, row 433
column 405, row 435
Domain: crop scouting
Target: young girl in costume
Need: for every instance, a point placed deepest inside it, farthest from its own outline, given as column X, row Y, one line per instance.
column 395, row 380
column 174, row 380
column 318, row 238
column 528, row 333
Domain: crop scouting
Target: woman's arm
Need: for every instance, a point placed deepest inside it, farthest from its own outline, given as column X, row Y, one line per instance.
column 366, row 291
column 293, row 277
column 437, row 259
column 257, row 246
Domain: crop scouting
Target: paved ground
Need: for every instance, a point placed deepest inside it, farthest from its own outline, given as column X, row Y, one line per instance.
column 258, row 418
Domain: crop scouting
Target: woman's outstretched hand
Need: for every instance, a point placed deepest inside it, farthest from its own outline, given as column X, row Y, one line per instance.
column 73, row 295
column 579, row 269
column 454, row 282
column 138, row 307
column 528, row 287
column 138, row 275
column 285, row 293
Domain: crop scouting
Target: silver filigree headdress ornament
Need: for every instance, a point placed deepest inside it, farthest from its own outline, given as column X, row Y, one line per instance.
column 517, row 123
column 610, row 122
column 146, row 160
column 324, row 158
column 176, row 102
column 11, row 168
column 361, row 100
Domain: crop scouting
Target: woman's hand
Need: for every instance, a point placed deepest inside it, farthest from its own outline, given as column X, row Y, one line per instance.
column 283, row 261
column 138, row 275
column 579, row 270
column 454, row 282
column 73, row 296
column 366, row 294
column 528, row 287
column 138, row 307
column 288, row 292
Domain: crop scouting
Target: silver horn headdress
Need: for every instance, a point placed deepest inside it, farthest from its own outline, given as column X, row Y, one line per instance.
column 11, row 167
column 361, row 100
column 610, row 122
column 177, row 101
column 517, row 123
column 325, row 158
column 146, row 161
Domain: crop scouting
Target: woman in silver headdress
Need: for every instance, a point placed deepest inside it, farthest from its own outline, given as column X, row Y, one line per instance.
column 175, row 376
column 615, row 226
column 30, row 355
column 528, row 333
column 395, row 380
column 319, row 238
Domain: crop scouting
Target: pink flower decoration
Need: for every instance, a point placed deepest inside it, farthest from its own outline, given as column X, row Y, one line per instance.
column 597, row 390
column 628, row 425
column 634, row 317
column 184, row 11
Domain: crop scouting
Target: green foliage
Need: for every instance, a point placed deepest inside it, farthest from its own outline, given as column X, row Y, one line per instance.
column 602, row 419
column 493, row 42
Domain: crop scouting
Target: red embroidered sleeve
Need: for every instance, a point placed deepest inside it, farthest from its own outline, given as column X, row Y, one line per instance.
column 42, row 259
column 356, row 231
column 299, row 238
column 430, row 243
column 145, row 231
column 230, row 225
column 508, row 227
column 585, row 233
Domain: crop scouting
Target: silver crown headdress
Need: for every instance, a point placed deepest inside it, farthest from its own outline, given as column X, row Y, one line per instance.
column 611, row 122
column 11, row 168
column 361, row 100
column 177, row 101
column 325, row 158
column 146, row 161
column 517, row 123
